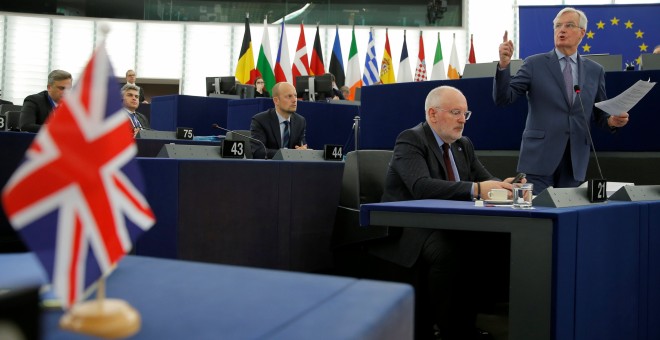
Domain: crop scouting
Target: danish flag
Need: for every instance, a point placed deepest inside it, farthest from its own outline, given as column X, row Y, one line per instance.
column 76, row 199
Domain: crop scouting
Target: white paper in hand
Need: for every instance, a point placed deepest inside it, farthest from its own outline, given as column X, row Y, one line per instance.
column 627, row 99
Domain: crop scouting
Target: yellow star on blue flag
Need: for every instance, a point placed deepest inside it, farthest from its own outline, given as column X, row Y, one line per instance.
column 628, row 30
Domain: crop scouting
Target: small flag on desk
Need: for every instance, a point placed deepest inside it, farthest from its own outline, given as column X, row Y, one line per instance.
column 76, row 199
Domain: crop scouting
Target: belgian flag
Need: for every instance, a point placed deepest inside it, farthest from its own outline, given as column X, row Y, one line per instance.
column 245, row 71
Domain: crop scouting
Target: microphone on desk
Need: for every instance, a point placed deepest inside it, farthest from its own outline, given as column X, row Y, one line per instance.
column 216, row 126
column 597, row 188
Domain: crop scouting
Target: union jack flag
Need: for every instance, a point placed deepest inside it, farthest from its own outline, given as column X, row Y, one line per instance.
column 76, row 199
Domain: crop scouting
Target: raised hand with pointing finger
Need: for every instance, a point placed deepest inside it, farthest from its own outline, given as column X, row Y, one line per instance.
column 506, row 50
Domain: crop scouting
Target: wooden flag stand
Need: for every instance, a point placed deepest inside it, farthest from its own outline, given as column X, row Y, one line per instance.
column 107, row 318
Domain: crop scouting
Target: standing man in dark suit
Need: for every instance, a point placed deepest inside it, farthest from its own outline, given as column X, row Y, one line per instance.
column 130, row 99
column 555, row 145
column 131, row 77
column 434, row 161
column 37, row 107
column 281, row 127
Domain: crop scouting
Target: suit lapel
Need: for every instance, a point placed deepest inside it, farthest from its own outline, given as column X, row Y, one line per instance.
column 459, row 158
column 429, row 138
column 555, row 70
column 275, row 127
column 581, row 71
column 293, row 128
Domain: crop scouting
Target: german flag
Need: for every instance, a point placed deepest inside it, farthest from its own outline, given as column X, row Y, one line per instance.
column 316, row 65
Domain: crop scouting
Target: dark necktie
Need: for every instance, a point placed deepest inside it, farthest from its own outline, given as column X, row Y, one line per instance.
column 285, row 135
column 445, row 157
column 568, row 79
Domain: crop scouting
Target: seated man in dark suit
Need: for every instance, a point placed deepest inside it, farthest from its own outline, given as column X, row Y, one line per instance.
column 446, row 258
column 37, row 107
column 281, row 127
column 131, row 100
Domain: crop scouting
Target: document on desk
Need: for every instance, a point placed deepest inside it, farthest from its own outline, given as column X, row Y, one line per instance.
column 627, row 99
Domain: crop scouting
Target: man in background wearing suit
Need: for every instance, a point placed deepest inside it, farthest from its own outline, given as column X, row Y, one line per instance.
column 37, row 107
column 130, row 100
column 131, row 77
column 447, row 259
column 555, row 144
column 281, row 127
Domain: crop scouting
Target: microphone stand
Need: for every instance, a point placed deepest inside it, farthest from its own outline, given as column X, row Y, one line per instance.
column 216, row 126
column 357, row 131
column 600, row 184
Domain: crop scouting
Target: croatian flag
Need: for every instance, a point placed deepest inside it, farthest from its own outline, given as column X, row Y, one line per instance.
column 76, row 199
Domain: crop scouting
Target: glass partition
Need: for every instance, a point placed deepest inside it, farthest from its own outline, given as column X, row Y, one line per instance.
column 442, row 13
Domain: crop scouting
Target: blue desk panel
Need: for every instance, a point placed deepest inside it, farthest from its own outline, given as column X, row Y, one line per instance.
column 199, row 113
column 328, row 123
column 269, row 214
column 389, row 109
column 653, row 264
column 597, row 280
column 240, row 112
column 185, row 300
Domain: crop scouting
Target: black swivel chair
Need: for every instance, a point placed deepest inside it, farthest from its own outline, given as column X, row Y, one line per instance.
column 236, row 135
column 363, row 182
column 13, row 120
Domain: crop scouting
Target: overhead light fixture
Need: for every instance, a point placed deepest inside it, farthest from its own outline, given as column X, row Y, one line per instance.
column 294, row 14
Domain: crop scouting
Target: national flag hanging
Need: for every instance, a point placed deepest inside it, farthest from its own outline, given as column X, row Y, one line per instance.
column 337, row 61
column 472, row 59
column 438, row 72
column 353, row 80
column 76, row 199
column 371, row 75
column 265, row 61
column 404, row 74
column 420, row 71
column 316, row 66
column 452, row 72
column 245, row 71
column 300, row 62
column 386, row 67
column 282, row 63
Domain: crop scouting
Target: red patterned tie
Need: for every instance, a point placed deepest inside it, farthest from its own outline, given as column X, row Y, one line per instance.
column 445, row 157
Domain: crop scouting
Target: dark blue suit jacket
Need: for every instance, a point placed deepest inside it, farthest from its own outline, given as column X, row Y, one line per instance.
column 266, row 127
column 417, row 171
column 551, row 121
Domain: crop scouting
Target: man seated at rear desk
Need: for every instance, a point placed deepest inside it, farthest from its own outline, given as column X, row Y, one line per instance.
column 37, row 107
column 130, row 100
column 281, row 127
column 433, row 160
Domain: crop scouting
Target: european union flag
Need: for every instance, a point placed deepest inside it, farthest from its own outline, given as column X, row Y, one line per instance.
column 629, row 30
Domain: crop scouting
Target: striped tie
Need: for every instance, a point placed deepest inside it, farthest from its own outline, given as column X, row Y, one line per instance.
column 285, row 135
column 134, row 120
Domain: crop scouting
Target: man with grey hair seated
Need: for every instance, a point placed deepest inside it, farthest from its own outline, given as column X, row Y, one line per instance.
column 37, row 107
column 130, row 95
